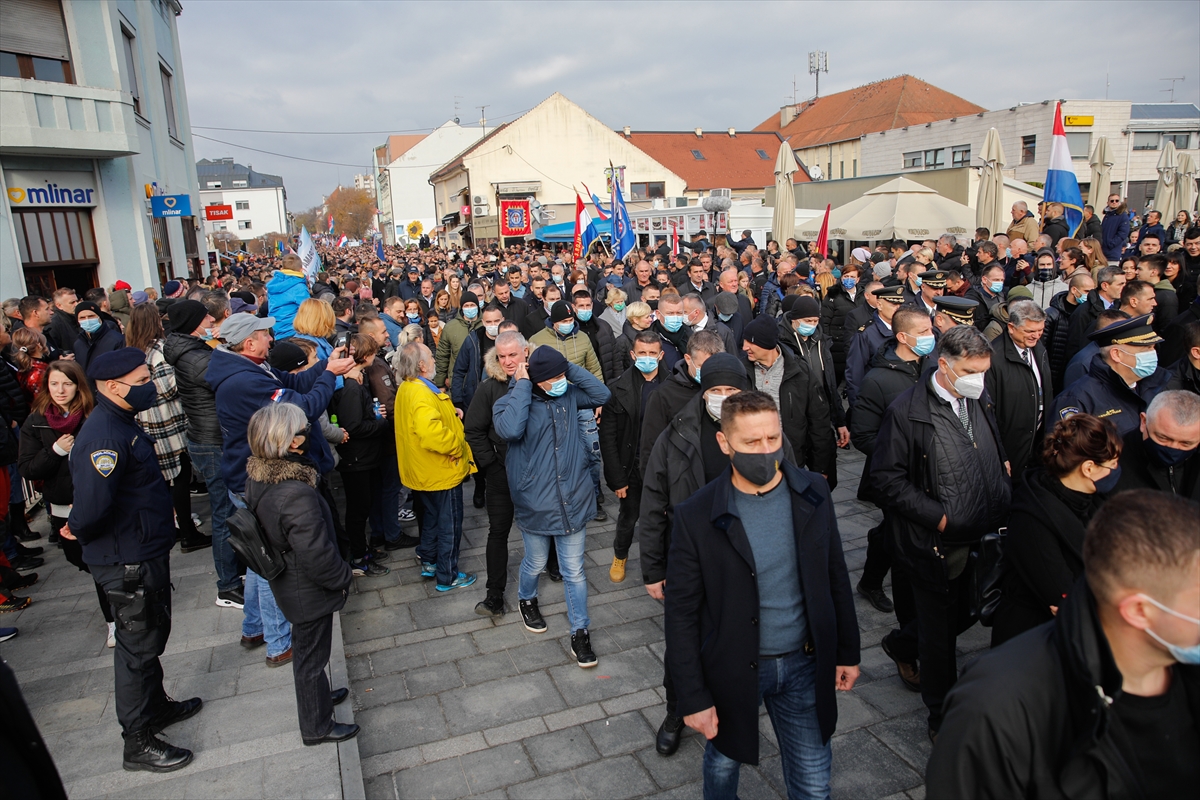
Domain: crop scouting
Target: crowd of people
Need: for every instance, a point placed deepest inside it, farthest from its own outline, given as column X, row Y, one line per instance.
column 1024, row 393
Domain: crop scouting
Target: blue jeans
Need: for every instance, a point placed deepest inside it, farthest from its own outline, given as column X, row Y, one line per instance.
column 788, row 686
column 385, row 505
column 570, row 563
column 263, row 617
column 591, row 443
column 206, row 458
column 441, row 532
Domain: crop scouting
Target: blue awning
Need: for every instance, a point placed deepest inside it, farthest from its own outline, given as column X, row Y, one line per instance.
column 565, row 231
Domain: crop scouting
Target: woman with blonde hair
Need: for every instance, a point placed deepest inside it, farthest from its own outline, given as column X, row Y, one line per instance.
column 454, row 290
column 614, row 313
column 316, row 322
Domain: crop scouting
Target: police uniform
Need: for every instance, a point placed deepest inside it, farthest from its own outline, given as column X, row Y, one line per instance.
column 959, row 310
column 867, row 342
column 124, row 521
column 934, row 279
column 1102, row 392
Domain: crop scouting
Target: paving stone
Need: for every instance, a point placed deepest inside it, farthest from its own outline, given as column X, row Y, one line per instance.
column 438, row 651
column 615, row 778
column 908, row 737
column 684, row 766
column 890, row 696
column 631, row 702
column 358, row 667
column 624, row 733
column 381, row 690
column 361, row 601
column 562, row 786
column 397, row 659
column 296, row 775
column 257, row 714
column 863, row 766
column 442, row 779
column 514, row 731
column 539, row 655
column 452, row 748
column 617, row 674
column 496, row 767
column 66, row 715
column 374, row 623
column 487, row 667
column 854, row 712
column 560, row 750
column 444, row 609
column 488, row 705
column 402, row 595
column 638, row 608
column 400, row 725
column 380, row 787
column 637, row 633
column 208, row 686
column 501, row 637
column 431, row 680
column 573, row 716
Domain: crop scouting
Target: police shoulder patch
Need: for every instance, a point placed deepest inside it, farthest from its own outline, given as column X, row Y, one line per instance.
column 1069, row 411
column 105, row 461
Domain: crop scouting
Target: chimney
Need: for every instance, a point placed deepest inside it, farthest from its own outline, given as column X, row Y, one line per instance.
column 732, row 132
column 626, row 131
column 699, row 133
column 786, row 115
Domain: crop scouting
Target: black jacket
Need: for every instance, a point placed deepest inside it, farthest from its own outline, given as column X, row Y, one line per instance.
column 603, row 343
column 516, row 310
column 1184, row 376
column 861, row 350
column 1034, row 718
column 1056, row 229
column 39, row 461
column 712, row 607
column 106, row 339
column 368, row 435
column 1175, row 346
column 487, row 448
column 1092, row 228
column 1140, row 470
column 674, row 391
column 987, row 303
column 13, row 405
column 1057, row 331
column 805, row 413
column 834, row 312
column 1083, row 319
column 1011, row 385
column 621, row 428
column 296, row 519
column 190, row 356
column 63, row 330
column 889, row 377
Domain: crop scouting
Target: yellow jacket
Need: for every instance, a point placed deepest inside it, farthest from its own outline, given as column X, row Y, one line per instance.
column 433, row 452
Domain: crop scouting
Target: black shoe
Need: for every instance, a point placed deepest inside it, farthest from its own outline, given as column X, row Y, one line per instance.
column 27, row 562
column 54, row 538
column 554, row 574
column 405, row 541
column 491, row 606
column 23, row 581
column 22, row 550
column 909, row 673
column 581, row 647
column 26, row 535
column 144, row 750
column 534, row 622
column 601, row 515
column 340, row 732
column 877, row 598
column 193, row 543
column 338, row 695
column 234, row 598
column 175, row 711
column 670, row 733
column 478, row 500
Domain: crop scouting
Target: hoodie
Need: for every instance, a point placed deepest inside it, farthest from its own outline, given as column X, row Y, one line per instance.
column 285, row 292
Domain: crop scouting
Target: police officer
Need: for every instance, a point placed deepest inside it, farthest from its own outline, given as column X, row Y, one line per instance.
column 1122, row 379
column 123, row 519
column 933, row 285
column 950, row 311
column 867, row 342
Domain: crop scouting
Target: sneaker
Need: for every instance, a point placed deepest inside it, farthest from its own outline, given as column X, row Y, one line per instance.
column 14, row 603
column 378, row 555
column 234, row 598
column 407, row 516
column 196, row 520
column 616, row 573
column 877, row 598
column 23, row 581
column 7, row 633
column 404, row 542
column 112, row 635
column 581, row 648
column 428, row 568
column 461, row 581
column 534, row 622
column 491, row 606
column 367, row 569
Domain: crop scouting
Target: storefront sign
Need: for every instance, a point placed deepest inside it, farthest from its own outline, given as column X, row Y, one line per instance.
column 1078, row 122
column 171, row 205
column 218, row 212
column 28, row 189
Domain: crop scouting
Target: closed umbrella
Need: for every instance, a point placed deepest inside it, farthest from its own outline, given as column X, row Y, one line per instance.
column 1164, row 192
column 1102, row 164
column 783, row 220
column 1185, row 186
column 989, row 205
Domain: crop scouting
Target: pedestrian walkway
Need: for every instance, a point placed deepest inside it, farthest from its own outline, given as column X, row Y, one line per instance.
column 246, row 738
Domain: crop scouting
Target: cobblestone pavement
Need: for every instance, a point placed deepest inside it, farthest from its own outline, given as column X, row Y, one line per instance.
column 457, row 705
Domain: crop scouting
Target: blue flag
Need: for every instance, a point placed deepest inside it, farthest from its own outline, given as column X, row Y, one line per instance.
column 379, row 251
column 623, row 238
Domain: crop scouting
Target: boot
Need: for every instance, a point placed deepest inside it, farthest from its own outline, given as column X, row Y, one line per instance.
column 669, row 734
column 144, row 750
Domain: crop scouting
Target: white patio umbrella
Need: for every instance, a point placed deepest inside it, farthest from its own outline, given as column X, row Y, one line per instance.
column 989, row 205
column 898, row 209
column 1164, row 192
column 783, row 220
column 1102, row 164
column 1185, row 186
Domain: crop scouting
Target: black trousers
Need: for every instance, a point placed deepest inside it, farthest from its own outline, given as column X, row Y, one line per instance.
column 879, row 556
column 74, row 554
column 138, row 674
column 181, row 498
column 627, row 518
column 669, row 686
column 339, row 530
column 500, row 519
column 360, row 487
column 940, row 617
column 311, row 642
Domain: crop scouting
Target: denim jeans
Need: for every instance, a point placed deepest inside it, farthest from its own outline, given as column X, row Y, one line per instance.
column 441, row 531
column 570, row 563
column 263, row 617
column 788, row 686
column 591, row 443
column 206, row 458
column 385, row 505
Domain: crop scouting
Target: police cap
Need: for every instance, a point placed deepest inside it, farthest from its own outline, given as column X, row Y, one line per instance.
column 1135, row 332
column 893, row 294
column 934, row 278
column 115, row 364
column 959, row 309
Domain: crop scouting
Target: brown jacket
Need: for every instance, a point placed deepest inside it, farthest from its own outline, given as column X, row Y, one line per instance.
column 1026, row 229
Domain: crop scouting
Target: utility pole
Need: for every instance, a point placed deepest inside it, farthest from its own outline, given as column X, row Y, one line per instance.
column 1172, row 89
column 482, row 116
column 818, row 62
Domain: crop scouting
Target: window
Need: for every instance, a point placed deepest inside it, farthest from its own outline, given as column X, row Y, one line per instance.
column 239, row 184
column 855, row 163
column 242, row 205
column 55, row 237
column 696, row 154
column 764, row 155
column 1079, row 145
column 841, row 169
column 935, row 159
column 1180, row 140
column 243, row 224
column 221, row 226
column 912, row 160
column 215, row 185
column 131, row 68
column 169, row 102
column 13, row 65
column 33, row 42
column 960, row 156
column 646, row 191
column 1146, row 140
column 1028, row 149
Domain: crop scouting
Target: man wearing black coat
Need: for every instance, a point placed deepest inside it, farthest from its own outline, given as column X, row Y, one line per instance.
column 800, row 332
column 514, row 308
column 599, row 333
column 675, row 389
column 1110, row 281
column 1164, row 453
column 1103, row 702
column 63, row 330
column 1020, row 385
column 759, row 591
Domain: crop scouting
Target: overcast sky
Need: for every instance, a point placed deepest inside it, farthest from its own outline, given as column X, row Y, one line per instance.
column 396, row 66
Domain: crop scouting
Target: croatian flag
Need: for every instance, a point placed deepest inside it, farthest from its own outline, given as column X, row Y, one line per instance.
column 1061, row 183
column 342, row 241
column 623, row 238
column 585, row 231
column 331, row 223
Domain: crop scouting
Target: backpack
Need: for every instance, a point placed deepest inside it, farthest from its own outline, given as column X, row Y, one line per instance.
column 251, row 544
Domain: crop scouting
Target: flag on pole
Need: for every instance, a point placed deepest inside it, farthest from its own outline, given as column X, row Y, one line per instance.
column 379, row 251
column 623, row 238
column 823, row 236
column 330, row 223
column 342, row 241
column 596, row 203
column 585, row 231
column 674, row 240
column 279, row 246
column 1061, row 184
column 308, row 256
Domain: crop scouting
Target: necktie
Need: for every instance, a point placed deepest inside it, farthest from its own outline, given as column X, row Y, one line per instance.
column 965, row 418
column 1025, row 355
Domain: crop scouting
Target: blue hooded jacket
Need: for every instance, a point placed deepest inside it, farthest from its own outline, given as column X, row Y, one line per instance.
column 285, row 292
column 243, row 387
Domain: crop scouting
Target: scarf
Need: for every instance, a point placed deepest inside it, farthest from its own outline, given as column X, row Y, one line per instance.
column 63, row 423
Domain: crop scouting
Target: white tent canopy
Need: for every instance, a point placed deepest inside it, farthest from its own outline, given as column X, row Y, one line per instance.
column 898, row 209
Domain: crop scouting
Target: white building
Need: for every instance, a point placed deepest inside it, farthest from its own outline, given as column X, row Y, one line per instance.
column 257, row 202
column 402, row 186
column 1135, row 131
column 365, row 182
column 93, row 120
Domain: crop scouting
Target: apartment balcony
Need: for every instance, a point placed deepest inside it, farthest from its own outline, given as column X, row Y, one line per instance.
column 40, row 118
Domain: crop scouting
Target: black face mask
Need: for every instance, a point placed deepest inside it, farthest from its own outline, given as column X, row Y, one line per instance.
column 758, row 468
column 1167, row 456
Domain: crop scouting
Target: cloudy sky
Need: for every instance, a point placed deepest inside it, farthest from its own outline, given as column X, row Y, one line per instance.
column 375, row 67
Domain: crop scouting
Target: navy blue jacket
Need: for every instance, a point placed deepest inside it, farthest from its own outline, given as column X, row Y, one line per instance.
column 105, row 340
column 863, row 347
column 243, row 387
column 468, row 370
column 122, row 512
column 1103, row 393
column 1114, row 233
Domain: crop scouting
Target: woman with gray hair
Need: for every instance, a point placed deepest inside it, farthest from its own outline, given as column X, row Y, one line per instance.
column 281, row 491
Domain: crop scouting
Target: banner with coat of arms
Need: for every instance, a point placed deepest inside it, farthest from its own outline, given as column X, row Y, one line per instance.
column 514, row 218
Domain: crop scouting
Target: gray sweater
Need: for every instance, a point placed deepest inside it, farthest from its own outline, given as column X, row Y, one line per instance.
column 768, row 523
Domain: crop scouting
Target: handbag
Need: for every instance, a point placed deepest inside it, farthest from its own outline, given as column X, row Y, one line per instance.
column 250, row 542
column 988, row 569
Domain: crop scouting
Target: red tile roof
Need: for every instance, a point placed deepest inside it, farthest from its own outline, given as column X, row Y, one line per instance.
column 893, row 103
column 730, row 162
column 396, row 146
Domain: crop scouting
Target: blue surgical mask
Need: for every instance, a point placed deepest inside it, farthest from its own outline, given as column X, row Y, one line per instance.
column 1109, row 482
column 558, row 278
column 696, row 377
column 1184, row 655
column 917, row 281
column 558, row 388
column 673, row 322
column 413, row 317
column 849, row 283
column 996, row 286
column 646, row 364
column 470, row 312
column 724, row 317
column 1145, row 364
column 924, row 345
column 583, row 314
column 806, row 330
column 565, row 328
column 1008, row 252
column 90, row 325
column 207, row 335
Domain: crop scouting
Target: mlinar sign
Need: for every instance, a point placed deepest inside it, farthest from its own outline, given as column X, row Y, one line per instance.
column 28, row 189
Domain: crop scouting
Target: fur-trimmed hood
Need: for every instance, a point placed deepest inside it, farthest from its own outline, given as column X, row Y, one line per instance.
column 278, row 470
column 491, row 366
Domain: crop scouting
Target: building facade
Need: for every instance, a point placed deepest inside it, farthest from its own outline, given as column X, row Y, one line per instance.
column 93, row 122
column 1136, row 134
column 257, row 202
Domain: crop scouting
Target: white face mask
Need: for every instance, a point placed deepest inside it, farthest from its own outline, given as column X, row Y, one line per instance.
column 714, row 403
column 969, row 386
